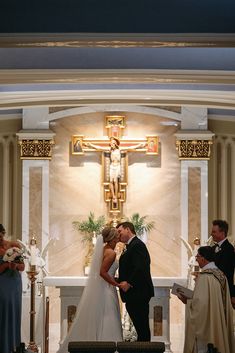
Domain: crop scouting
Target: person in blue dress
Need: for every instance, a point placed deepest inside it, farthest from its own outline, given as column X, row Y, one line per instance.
column 10, row 297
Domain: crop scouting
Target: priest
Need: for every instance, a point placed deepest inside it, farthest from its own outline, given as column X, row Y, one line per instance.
column 209, row 314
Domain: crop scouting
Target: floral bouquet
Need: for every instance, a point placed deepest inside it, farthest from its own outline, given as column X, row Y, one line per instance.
column 14, row 254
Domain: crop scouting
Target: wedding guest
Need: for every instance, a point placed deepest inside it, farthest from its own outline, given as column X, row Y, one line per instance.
column 209, row 314
column 98, row 315
column 10, row 296
column 224, row 253
column 135, row 279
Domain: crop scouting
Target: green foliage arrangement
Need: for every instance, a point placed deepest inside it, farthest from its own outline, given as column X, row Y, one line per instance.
column 140, row 224
column 88, row 227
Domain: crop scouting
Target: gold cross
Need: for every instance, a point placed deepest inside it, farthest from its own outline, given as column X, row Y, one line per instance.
column 114, row 125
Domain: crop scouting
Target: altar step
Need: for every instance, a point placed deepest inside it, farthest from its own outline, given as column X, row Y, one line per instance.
column 177, row 337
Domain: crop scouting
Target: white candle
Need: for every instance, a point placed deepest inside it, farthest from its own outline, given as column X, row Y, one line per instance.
column 33, row 253
column 94, row 238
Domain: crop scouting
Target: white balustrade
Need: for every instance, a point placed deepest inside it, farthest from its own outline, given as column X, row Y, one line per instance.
column 71, row 289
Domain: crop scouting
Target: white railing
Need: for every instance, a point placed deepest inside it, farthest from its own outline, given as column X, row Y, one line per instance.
column 71, row 289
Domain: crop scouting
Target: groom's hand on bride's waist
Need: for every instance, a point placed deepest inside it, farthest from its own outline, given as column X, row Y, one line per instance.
column 125, row 286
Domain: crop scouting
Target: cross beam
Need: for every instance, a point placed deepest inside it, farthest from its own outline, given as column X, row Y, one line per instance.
column 115, row 126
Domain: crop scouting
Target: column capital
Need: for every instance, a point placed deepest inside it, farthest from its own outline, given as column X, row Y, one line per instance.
column 35, row 144
column 194, row 144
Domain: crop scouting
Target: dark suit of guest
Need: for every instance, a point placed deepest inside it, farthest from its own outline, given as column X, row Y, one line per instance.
column 225, row 261
column 134, row 267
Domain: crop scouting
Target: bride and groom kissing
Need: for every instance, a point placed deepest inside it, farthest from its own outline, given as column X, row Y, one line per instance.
column 98, row 315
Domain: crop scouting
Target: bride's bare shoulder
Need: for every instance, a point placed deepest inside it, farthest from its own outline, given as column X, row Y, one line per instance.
column 109, row 252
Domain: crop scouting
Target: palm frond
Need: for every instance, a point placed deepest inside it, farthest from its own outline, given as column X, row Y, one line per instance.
column 140, row 224
column 89, row 226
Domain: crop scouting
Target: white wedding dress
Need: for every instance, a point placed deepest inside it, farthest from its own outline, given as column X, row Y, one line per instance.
column 98, row 314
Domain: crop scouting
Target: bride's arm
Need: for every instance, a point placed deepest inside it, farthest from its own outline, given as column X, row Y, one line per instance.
column 108, row 259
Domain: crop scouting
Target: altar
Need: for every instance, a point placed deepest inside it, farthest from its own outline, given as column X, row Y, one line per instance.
column 71, row 289
column 167, row 185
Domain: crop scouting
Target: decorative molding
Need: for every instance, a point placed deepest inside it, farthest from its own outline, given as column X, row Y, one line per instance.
column 145, row 97
column 194, row 149
column 159, row 112
column 36, row 144
column 115, row 76
column 36, row 149
column 194, row 135
column 194, row 144
column 116, row 40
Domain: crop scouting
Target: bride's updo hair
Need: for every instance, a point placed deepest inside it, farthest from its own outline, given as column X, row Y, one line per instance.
column 108, row 233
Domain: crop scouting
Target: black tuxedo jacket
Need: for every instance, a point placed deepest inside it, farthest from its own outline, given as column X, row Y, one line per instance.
column 134, row 267
column 225, row 261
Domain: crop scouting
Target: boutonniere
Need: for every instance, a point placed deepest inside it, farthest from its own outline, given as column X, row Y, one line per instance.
column 217, row 249
column 124, row 249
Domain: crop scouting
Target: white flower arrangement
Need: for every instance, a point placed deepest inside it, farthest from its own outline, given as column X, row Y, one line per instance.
column 13, row 254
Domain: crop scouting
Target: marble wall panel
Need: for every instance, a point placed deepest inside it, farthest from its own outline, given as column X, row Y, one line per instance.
column 75, row 190
column 194, row 221
column 35, row 204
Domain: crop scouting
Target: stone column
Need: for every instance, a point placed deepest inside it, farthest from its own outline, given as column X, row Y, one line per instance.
column 204, row 201
column 9, row 183
column 184, row 216
column 36, row 151
column 223, row 174
column 194, row 149
column 16, row 187
column 6, row 174
column 232, row 228
column 215, row 178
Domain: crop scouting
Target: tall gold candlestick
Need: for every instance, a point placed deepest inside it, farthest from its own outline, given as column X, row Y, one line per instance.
column 32, row 274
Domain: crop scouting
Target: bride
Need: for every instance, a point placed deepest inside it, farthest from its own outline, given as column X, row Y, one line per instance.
column 98, row 314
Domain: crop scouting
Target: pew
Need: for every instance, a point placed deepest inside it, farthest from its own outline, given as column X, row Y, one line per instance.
column 140, row 347
column 120, row 347
column 92, row 346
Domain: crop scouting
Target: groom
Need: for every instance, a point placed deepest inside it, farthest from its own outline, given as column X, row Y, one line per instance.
column 135, row 279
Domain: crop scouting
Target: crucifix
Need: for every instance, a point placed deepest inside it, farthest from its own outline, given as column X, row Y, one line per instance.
column 114, row 158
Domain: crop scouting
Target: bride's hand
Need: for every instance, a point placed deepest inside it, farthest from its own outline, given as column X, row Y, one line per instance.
column 125, row 286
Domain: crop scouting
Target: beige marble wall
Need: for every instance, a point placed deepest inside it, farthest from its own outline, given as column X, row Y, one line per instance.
column 35, row 204
column 194, row 197
column 153, row 190
column 76, row 189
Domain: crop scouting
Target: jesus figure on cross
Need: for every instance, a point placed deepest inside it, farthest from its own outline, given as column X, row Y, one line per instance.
column 115, row 162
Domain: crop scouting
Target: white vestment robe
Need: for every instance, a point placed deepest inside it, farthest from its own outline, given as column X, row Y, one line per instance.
column 209, row 314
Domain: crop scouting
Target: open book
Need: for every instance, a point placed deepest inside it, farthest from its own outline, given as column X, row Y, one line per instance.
column 178, row 289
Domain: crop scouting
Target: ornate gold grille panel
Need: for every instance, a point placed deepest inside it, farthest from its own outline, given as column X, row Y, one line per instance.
column 36, row 149
column 194, row 149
